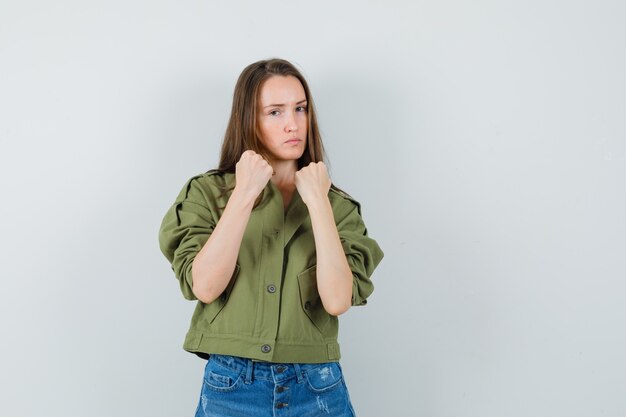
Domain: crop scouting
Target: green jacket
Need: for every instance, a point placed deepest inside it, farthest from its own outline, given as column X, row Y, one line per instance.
column 270, row 310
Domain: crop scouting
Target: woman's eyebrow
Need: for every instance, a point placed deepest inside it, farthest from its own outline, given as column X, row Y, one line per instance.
column 282, row 105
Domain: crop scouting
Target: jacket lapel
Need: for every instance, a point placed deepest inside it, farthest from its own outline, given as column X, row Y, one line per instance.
column 296, row 214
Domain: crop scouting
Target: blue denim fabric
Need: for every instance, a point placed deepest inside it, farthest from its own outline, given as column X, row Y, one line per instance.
column 239, row 387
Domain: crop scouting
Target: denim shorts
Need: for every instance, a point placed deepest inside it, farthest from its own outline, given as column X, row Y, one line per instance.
column 233, row 386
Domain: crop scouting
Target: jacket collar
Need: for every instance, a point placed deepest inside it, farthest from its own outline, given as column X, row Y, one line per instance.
column 274, row 214
column 277, row 217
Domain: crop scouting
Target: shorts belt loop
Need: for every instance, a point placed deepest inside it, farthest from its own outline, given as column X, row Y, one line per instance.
column 299, row 374
column 249, row 365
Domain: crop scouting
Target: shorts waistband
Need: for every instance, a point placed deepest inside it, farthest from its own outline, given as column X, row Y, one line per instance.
column 272, row 371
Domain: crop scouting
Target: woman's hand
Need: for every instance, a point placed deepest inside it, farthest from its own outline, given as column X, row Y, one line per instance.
column 313, row 182
column 252, row 172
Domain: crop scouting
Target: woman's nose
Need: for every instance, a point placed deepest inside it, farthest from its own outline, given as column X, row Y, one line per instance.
column 291, row 123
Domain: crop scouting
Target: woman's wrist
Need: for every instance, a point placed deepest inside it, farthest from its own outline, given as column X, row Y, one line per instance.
column 242, row 198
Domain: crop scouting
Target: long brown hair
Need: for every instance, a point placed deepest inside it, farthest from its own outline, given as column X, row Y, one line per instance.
column 242, row 132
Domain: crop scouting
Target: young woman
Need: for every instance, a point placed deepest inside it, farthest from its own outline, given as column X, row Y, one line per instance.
column 273, row 252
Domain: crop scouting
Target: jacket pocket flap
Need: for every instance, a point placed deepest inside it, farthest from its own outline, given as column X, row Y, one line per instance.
column 310, row 298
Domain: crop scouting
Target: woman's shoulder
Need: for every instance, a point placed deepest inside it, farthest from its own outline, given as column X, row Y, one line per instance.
column 213, row 177
column 342, row 198
column 209, row 183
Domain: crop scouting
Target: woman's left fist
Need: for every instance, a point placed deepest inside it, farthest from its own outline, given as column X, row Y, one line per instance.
column 313, row 182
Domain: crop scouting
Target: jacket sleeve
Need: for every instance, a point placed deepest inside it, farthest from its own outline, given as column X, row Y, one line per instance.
column 363, row 253
column 184, row 230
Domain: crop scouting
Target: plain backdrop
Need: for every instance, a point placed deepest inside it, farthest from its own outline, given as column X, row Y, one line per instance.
column 485, row 140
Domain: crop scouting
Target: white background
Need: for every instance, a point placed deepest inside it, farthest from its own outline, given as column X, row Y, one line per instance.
column 486, row 141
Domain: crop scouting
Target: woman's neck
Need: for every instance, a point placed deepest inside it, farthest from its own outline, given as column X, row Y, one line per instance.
column 285, row 174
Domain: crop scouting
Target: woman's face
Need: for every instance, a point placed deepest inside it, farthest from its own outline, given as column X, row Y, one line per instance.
column 282, row 117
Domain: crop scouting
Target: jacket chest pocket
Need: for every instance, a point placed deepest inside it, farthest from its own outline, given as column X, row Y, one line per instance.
column 212, row 309
column 310, row 299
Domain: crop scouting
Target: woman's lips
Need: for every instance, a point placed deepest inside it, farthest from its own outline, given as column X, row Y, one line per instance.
column 293, row 141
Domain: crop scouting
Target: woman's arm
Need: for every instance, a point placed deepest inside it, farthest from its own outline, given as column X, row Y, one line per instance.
column 214, row 264
column 334, row 277
column 333, row 273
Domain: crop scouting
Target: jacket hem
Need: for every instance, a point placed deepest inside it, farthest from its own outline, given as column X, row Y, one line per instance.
column 203, row 344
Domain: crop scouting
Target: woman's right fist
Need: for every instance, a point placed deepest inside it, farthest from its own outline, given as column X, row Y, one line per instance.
column 252, row 172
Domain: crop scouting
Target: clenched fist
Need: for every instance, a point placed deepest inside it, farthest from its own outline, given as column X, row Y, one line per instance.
column 252, row 172
column 313, row 182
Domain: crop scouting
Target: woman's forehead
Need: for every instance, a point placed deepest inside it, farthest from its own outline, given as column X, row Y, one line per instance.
column 281, row 90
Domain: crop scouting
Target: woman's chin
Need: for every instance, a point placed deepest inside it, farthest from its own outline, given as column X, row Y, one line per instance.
column 290, row 156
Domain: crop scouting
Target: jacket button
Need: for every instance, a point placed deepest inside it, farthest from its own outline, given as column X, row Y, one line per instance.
column 266, row 348
column 281, row 405
column 307, row 305
column 271, row 288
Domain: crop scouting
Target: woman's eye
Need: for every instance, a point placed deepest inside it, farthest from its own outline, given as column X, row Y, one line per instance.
column 300, row 109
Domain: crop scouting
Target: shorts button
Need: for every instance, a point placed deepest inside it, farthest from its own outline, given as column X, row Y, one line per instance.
column 281, row 369
column 281, row 405
column 281, row 389
column 266, row 348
